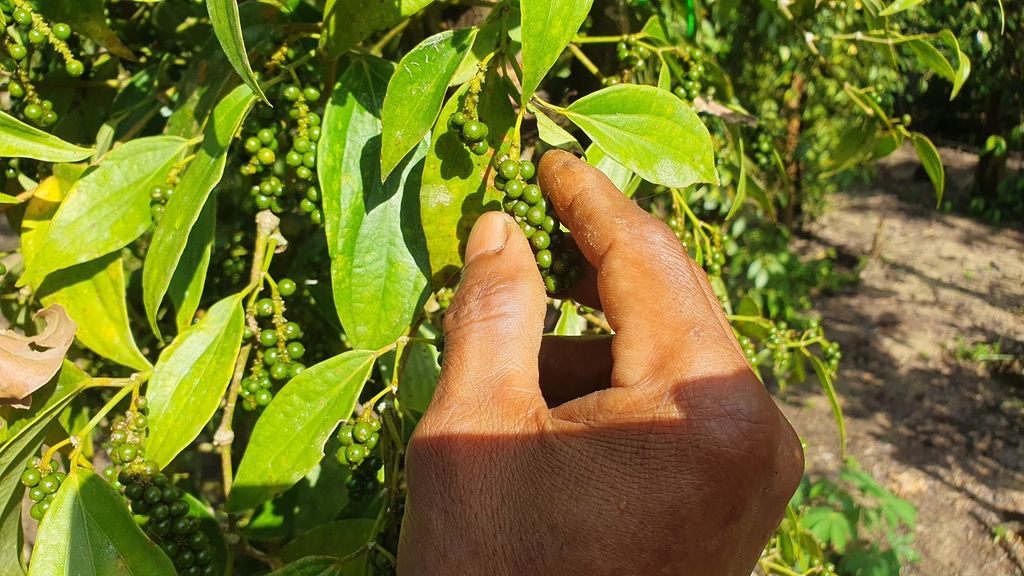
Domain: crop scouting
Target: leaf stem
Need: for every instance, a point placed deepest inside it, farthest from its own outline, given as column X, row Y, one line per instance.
column 587, row 62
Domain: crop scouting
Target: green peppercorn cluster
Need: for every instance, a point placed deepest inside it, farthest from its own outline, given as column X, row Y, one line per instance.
column 559, row 265
column 285, row 181
column 169, row 524
column 42, row 479
column 692, row 84
column 25, row 41
column 158, row 198
column 278, row 351
column 763, row 148
column 471, row 131
column 358, row 437
column 128, row 434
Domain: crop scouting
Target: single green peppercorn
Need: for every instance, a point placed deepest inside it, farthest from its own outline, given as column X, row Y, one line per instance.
column 479, row 148
column 268, row 337
column 15, row 89
column 22, row 16
column 296, row 350
column 17, row 51
column 291, row 93
column 266, row 156
column 271, row 357
column 33, row 112
column 535, row 216
column 544, row 259
column 458, row 119
column 36, row 36
column 514, row 188
column 61, row 30
column 540, row 240
column 264, row 307
column 279, row 371
column 527, row 169
column 474, row 131
column 509, row 169
column 292, row 331
column 263, row 397
column 532, row 194
column 361, row 431
column 286, row 287
column 31, row 477
column 311, row 93
column 74, row 68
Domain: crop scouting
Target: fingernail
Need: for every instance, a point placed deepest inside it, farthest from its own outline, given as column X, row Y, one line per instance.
column 488, row 236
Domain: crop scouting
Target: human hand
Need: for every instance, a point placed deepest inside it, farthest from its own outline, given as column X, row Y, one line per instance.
column 655, row 451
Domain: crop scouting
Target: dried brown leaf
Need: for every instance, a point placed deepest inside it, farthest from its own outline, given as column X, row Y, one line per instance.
column 28, row 362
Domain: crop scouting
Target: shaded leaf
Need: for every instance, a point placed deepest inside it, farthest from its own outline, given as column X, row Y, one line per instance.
column 190, row 378
column 931, row 161
column 554, row 135
column 379, row 265
column 19, row 140
column 29, row 362
column 227, row 26
column 171, row 237
column 349, row 22
column 338, row 539
column 622, row 177
column 305, row 411
column 416, row 91
column 89, row 18
column 314, row 566
column 94, row 296
column 89, row 530
column 649, row 131
column 26, row 431
column 547, row 28
column 454, row 190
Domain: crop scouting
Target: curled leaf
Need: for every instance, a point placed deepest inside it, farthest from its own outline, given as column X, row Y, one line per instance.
column 28, row 362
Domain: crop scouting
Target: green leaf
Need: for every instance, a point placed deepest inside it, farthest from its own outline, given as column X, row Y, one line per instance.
column 89, row 530
column 649, row 131
column 568, row 320
column 416, row 92
column 420, row 373
column 93, row 294
column 931, row 161
column 19, row 140
column 305, row 411
column 171, row 238
column 379, row 266
column 829, row 526
column 89, row 18
column 899, row 6
column 825, row 379
column 931, row 58
column 186, row 286
column 554, row 135
column 317, row 566
column 227, row 26
column 963, row 63
column 349, row 22
column 191, row 376
column 338, row 539
column 454, row 190
column 622, row 177
column 26, row 430
column 108, row 208
column 548, row 27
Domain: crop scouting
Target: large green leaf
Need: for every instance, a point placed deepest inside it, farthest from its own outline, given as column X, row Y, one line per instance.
column 454, row 191
column 829, row 526
column 186, row 286
column 108, row 208
column 190, row 378
column 379, row 266
column 19, row 140
column 93, row 294
column 318, row 566
column 349, row 22
column 649, row 131
column 171, row 237
column 89, row 531
column 26, row 431
column 288, row 439
column 416, row 92
column 931, row 161
column 548, row 27
column 227, row 26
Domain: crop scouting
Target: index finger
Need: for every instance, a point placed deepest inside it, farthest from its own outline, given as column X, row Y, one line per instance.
column 653, row 295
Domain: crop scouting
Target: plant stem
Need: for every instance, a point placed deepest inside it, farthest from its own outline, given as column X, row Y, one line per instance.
column 266, row 224
column 131, row 386
column 587, row 62
column 388, row 36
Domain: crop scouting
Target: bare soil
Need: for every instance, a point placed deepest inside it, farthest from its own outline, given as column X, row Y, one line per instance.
column 946, row 434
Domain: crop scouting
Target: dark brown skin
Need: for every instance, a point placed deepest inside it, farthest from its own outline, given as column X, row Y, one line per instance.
column 655, row 451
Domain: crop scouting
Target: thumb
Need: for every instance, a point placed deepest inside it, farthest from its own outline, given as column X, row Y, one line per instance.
column 492, row 330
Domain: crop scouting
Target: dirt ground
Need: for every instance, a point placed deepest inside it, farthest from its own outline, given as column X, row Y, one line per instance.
column 943, row 433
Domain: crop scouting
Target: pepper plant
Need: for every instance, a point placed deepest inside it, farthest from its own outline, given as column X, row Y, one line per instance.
column 239, row 226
